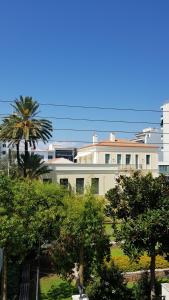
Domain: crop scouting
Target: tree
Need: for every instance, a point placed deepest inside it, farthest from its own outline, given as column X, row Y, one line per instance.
column 30, row 213
column 82, row 238
column 23, row 126
column 10, row 133
column 33, row 165
column 141, row 203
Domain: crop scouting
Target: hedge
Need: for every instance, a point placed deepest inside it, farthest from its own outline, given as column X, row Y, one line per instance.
column 126, row 265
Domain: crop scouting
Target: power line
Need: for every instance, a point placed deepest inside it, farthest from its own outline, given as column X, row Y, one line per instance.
column 107, row 131
column 101, row 120
column 93, row 107
column 94, row 120
column 100, row 107
column 103, row 141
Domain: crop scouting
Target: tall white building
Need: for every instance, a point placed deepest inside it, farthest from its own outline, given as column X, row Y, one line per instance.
column 164, row 162
column 151, row 136
column 160, row 138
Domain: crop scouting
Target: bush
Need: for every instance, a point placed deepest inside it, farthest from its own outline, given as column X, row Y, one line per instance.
column 141, row 289
column 109, row 284
column 126, row 265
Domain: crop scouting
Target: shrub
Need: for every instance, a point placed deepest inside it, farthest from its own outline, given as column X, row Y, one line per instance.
column 141, row 289
column 126, row 265
column 109, row 284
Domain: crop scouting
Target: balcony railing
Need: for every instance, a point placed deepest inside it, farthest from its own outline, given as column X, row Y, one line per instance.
column 129, row 167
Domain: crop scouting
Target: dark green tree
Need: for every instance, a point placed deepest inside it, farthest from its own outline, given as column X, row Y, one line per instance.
column 33, row 165
column 141, row 204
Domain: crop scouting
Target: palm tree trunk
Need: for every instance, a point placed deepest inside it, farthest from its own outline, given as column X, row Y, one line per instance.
column 152, row 274
column 4, row 275
column 26, row 158
column 18, row 154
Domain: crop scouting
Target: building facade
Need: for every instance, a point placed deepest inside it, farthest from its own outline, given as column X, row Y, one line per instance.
column 99, row 164
column 55, row 151
column 151, row 136
column 164, row 162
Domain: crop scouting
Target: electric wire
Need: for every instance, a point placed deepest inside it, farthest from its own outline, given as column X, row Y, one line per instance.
column 94, row 120
column 94, row 107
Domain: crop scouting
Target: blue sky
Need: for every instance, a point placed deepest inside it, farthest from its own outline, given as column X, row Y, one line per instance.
column 90, row 52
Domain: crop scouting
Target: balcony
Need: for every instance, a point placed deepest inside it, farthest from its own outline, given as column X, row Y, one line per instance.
column 130, row 167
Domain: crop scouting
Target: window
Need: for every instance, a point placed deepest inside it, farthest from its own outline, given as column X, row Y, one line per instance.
column 107, row 158
column 64, row 182
column 80, row 185
column 147, row 159
column 95, row 185
column 50, row 156
column 3, row 145
column 119, row 159
column 163, row 169
column 3, row 152
column 65, row 153
column 128, row 159
column 137, row 161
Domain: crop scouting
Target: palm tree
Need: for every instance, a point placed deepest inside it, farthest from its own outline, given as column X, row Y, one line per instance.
column 9, row 132
column 33, row 165
column 23, row 126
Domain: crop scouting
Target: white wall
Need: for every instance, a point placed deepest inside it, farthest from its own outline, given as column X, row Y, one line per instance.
column 107, row 174
column 165, row 290
column 165, row 129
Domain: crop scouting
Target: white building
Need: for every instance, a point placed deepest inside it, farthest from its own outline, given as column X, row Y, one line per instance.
column 150, row 136
column 160, row 138
column 56, row 151
column 99, row 164
column 164, row 162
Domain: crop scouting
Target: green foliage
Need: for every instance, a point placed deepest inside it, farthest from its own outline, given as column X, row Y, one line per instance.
column 32, row 211
column 22, row 126
column 124, row 263
column 108, row 285
column 116, row 251
column 34, row 166
column 141, row 290
column 142, row 205
column 31, row 214
column 137, row 194
column 54, row 288
column 82, row 231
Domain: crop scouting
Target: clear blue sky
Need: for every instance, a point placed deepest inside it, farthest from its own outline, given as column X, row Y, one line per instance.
column 90, row 52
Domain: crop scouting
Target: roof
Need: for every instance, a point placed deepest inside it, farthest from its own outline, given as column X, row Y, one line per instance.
column 59, row 160
column 120, row 143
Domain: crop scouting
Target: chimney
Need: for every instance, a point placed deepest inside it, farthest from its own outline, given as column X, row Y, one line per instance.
column 50, row 147
column 95, row 138
column 112, row 137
